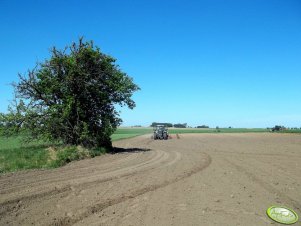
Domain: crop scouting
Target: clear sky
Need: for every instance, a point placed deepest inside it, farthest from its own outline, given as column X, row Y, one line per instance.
column 220, row 63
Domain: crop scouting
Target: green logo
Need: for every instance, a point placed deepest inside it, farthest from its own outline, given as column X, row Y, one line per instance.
column 282, row 214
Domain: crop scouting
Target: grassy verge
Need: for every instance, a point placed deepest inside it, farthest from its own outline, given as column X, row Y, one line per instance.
column 16, row 155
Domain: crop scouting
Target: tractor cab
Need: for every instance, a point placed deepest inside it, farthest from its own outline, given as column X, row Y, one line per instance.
column 160, row 132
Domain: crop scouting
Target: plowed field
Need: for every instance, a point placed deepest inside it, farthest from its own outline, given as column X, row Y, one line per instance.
column 198, row 179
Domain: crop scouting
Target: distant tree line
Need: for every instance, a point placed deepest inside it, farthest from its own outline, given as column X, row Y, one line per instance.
column 294, row 128
column 179, row 125
column 166, row 124
column 279, row 127
column 202, row 126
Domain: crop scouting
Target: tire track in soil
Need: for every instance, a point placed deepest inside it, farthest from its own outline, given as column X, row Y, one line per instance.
column 160, row 157
column 11, row 205
column 97, row 208
column 78, row 175
column 6, row 179
column 265, row 185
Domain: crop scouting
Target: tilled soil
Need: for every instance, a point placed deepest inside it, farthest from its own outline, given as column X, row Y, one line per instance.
column 197, row 179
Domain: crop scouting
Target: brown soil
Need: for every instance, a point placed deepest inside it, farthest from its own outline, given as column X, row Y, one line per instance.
column 200, row 179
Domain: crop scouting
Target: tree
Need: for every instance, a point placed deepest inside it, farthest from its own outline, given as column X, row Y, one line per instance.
column 71, row 97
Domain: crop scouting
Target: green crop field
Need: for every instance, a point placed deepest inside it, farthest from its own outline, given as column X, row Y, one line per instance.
column 221, row 130
column 123, row 133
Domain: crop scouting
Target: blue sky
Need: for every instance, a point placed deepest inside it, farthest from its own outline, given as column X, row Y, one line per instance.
column 220, row 63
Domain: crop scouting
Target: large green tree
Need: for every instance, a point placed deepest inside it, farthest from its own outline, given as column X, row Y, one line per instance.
column 71, row 97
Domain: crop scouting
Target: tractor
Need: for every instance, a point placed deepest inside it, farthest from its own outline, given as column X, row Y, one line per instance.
column 278, row 128
column 160, row 132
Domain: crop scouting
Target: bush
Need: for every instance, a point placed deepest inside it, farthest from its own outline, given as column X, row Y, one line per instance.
column 97, row 151
column 66, row 155
column 73, row 153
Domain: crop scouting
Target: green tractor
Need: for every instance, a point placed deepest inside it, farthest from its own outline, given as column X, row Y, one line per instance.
column 160, row 133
